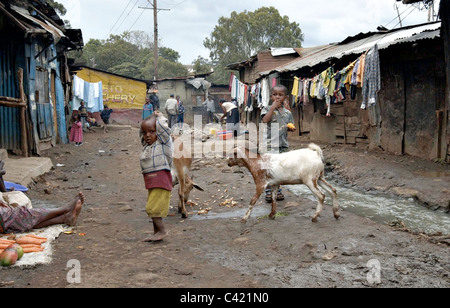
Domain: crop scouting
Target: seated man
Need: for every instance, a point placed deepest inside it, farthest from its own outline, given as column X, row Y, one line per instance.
column 22, row 219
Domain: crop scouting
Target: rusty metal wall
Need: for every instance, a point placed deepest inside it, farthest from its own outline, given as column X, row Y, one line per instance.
column 10, row 138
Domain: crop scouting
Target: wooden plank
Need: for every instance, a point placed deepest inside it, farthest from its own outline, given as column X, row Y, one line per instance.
column 350, row 140
column 352, row 120
column 352, row 133
column 12, row 104
column 353, row 127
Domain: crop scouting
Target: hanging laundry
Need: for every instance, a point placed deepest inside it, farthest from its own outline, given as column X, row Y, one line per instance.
column 295, row 88
column 91, row 93
column 372, row 78
column 360, row 75
column 265, row 93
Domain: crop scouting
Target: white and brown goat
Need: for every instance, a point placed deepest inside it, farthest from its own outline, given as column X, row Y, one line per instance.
column 269, row 171
column 182, row 164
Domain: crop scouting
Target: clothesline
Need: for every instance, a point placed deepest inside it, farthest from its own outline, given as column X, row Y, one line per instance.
column 333, row 86
column 91, row 93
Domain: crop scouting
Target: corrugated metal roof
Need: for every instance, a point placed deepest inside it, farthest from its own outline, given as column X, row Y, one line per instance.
column 313, row 56
column 57, row 33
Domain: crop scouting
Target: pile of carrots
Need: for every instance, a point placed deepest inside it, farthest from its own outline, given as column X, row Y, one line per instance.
column 29, row 243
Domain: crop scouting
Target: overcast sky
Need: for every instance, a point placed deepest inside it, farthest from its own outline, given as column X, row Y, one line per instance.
column 189, row 22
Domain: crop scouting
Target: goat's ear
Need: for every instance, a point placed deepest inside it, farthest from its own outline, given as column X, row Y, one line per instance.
column 198, row 187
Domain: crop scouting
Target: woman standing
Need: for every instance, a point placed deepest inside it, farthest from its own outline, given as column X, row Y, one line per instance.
column 231, row 112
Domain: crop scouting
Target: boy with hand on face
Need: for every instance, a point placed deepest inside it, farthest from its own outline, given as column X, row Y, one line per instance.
column 279, row 121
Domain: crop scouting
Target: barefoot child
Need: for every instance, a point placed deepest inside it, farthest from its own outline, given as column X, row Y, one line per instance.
column 156, row 162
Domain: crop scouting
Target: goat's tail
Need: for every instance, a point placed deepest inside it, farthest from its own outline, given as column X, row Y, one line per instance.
column 316, row 148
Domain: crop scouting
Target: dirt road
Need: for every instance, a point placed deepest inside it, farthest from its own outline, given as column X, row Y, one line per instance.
column 222, row 252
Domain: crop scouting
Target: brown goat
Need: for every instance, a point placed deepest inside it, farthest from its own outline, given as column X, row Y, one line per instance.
column 182, row 164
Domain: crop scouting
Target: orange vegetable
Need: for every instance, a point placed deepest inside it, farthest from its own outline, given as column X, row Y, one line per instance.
column 38, row 237
column 30, row 246
column 3, row 241
column 33, row 249
column 28, row 240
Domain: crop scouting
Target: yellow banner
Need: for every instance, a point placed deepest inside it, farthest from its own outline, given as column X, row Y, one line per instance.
column 118, row 92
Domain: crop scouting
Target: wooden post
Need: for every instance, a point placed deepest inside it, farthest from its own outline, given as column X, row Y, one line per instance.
column 23, row 117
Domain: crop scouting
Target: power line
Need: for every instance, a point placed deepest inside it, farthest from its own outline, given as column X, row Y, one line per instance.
column 128, row 14
column 110, row 31
column 139, row 17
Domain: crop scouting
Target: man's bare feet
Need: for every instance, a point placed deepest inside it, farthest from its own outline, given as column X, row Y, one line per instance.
column 74, row 212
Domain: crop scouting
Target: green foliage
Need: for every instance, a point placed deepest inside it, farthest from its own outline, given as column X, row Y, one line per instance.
column 243, row 35
column 130, row 54
column 202, row 66
column 59, row 8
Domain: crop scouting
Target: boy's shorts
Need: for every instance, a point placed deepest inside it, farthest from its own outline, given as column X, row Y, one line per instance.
column 158, row 203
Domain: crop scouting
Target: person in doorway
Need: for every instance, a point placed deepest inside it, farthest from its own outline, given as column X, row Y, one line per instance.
column 76, row 132
column 210, row 109
column 172, row 110
column 105, row 115
column 156, row 162
column 277, row 118
column 83, row 115
column 148, row 108
column 231, row 112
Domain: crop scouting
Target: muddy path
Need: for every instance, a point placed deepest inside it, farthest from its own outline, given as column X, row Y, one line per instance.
column 216, row 250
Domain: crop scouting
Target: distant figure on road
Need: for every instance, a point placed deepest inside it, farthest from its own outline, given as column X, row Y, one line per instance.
column 76, row 132
column 105, row 115
column 154, row 99
column 148, row 108
column 83, row 115
column 172, row 110
column 181, row 112
column 210, row 108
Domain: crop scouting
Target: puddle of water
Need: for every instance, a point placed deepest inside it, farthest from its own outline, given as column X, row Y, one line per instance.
column 385, row 209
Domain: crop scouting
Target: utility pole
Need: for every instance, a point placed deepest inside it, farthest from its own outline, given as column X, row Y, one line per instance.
column 155, row 28
column 399, row 17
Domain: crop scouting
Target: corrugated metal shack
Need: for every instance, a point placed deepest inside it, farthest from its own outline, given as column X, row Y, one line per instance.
column 34, row 76
column 410, row 116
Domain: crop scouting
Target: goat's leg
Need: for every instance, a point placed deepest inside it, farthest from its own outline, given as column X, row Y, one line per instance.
column 259, row 191
column 274, row 202
column 332, row 191
column 182, row 204
column 312, row 185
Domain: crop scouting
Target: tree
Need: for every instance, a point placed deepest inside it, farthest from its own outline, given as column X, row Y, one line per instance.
column 59, row 8
column 243, row 35
column 130, row 54
column 202, row 66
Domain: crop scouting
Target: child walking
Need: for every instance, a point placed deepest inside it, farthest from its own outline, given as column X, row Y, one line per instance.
column 76, row 132
column 156, row 162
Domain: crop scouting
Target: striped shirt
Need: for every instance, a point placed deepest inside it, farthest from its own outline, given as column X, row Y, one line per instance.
column 158, row 156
